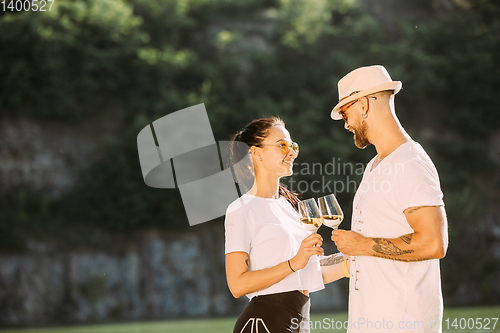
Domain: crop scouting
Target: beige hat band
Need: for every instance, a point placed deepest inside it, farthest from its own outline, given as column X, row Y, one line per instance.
column 354, row 92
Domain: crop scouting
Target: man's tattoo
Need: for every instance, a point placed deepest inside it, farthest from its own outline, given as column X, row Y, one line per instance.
column 385, row 246
column 407, row 238
column 399, row 259
column 247, row 261
column 331, row 260
column 411, row 210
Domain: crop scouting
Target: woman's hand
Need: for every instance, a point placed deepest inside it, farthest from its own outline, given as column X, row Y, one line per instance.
column 310, row 245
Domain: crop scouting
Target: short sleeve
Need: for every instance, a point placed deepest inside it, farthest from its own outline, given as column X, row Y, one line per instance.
column 416, row 183
column 238, row 236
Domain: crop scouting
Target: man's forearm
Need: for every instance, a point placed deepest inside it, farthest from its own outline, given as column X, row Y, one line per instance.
column 333, row 259
column 331, row 267
column 429, row 239
column 407, row 248
column 385, row 248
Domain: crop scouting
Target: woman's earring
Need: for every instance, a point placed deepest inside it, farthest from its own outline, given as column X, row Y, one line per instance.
column 364, row 116
column 260, row 158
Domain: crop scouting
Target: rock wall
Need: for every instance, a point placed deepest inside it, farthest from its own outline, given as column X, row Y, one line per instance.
column 158, row 276
column 47, row 155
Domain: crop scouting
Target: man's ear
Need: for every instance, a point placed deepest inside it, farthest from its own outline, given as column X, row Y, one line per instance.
column 363, row 101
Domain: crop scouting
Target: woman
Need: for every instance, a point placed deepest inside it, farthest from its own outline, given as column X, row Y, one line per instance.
column 267, row 250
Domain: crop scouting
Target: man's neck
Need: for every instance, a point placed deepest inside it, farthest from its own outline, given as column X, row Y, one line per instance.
column 387, row 134
column 388, row 141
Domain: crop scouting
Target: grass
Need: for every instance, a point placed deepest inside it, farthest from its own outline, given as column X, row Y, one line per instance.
column 226, row 324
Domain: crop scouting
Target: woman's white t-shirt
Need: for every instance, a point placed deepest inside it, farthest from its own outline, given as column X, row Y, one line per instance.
column 269, row 230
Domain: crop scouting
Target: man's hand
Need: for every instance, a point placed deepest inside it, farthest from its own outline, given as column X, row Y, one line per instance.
column 350, row 242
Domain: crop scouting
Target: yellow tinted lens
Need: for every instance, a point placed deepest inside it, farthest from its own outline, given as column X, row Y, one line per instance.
column 342, row 114
column 285, row 147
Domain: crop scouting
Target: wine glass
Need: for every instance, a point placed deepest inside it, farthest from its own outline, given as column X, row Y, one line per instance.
column 310, row 215
column 330, row 211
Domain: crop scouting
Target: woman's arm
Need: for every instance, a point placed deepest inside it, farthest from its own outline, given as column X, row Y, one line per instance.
column 241, row 281
column 331, row 267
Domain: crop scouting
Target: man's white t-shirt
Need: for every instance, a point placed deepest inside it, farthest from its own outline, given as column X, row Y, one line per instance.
column 387, row 295
column 269, row 230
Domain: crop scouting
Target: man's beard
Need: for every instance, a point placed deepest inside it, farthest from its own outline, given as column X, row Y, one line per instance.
column 361, row 136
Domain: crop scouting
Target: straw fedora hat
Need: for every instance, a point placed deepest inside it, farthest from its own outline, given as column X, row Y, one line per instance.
column 362, row 82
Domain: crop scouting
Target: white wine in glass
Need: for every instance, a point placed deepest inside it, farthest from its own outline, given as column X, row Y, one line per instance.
column 330, row 211
column 310, row 215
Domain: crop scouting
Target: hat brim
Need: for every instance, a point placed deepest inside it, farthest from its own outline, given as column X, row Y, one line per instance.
column 393, row 85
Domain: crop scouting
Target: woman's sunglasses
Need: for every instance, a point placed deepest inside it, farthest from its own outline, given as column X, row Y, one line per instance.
column 285, row 146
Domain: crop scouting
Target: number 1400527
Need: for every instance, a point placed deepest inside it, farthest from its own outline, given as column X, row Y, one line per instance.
column 27, row 5
column 470, row 323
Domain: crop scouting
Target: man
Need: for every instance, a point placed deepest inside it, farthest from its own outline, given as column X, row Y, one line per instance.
column 399, row 226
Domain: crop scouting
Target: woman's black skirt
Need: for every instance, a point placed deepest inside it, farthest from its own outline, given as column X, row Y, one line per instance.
column 274, row 313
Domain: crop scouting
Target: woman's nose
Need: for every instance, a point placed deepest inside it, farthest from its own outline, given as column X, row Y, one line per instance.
column 292, row 152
